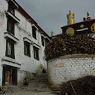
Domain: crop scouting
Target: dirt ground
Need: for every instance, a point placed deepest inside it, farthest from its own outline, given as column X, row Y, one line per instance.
column 30, row 93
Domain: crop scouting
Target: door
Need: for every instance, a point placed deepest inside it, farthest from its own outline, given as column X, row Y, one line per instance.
column 9, row 75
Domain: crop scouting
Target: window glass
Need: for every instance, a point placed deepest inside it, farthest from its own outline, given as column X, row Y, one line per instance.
column 43, row 40
column 34, row 31
column 36, row 53
column 10, row 48
column 27, row 48
column 10, row 25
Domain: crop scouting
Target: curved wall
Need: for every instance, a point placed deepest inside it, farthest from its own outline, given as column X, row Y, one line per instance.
column 70, row 67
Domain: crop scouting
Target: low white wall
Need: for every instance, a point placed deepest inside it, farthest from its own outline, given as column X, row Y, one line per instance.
column 70, row 67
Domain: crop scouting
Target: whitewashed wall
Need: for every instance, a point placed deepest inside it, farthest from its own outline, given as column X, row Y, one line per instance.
column 28, row 64
column 70, row 67
column 0, row 75
column 3, row 26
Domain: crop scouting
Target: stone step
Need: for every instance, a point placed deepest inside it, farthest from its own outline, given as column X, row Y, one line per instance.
column 40, row 78
column 39, row 83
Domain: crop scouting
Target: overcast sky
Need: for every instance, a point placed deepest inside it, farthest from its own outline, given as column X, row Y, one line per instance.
column 51, row 14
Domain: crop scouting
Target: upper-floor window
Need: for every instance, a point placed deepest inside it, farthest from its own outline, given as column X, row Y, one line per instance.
column 36, row 53
column 27, row 48
column 43, row 40
column 34, row 31
column 10, row 48
column 11, row 8
column 10, row 25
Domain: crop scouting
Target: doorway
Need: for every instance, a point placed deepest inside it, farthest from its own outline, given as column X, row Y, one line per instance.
column 9, row 75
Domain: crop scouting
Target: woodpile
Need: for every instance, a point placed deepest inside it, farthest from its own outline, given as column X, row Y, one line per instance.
column 64, row 45
column 81, row 86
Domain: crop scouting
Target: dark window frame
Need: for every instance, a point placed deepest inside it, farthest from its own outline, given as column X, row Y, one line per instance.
column 36, row 53
column 11, row 8
column 43, row 41
column 27, row 50
column 10, row 25
column 34, row 29
column 11, row 43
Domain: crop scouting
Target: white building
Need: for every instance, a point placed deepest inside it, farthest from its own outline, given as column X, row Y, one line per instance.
column 22, row 43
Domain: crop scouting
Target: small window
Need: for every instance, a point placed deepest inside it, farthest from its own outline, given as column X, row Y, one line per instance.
column 10, row 48
column 10, row 25
column 36, row 53
column 34, row 31
column 27, row 48
column 43, row 40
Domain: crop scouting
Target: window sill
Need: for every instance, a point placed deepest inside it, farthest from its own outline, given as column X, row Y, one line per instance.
column 8, row 59
column 36, row 59
column 11, row 36
column 36, row 45
column 27, row 39
column 13, row 16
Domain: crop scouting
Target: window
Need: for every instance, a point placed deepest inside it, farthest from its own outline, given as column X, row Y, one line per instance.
column 11, row 8
column 10, row 25
column 34, row 31
column 27, row 48
column 36, row 53
column 43, row 40
column 10, row 48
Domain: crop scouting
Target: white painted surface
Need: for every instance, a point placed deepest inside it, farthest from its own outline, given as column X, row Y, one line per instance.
column 70, row 67
column 0, row 75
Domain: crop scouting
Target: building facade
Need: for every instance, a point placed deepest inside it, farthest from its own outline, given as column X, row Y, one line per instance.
column 22, row 43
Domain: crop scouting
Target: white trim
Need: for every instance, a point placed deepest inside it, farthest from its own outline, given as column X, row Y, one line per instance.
column 9, row 61
column 35, row 26
column 43, row 35
column 36, row 45
column 47, row 38
column 10, row 36
column 28, row 40
column 82, row 29
column 13, row 17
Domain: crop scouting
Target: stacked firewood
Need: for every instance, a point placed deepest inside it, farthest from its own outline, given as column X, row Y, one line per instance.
column 64, row 45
